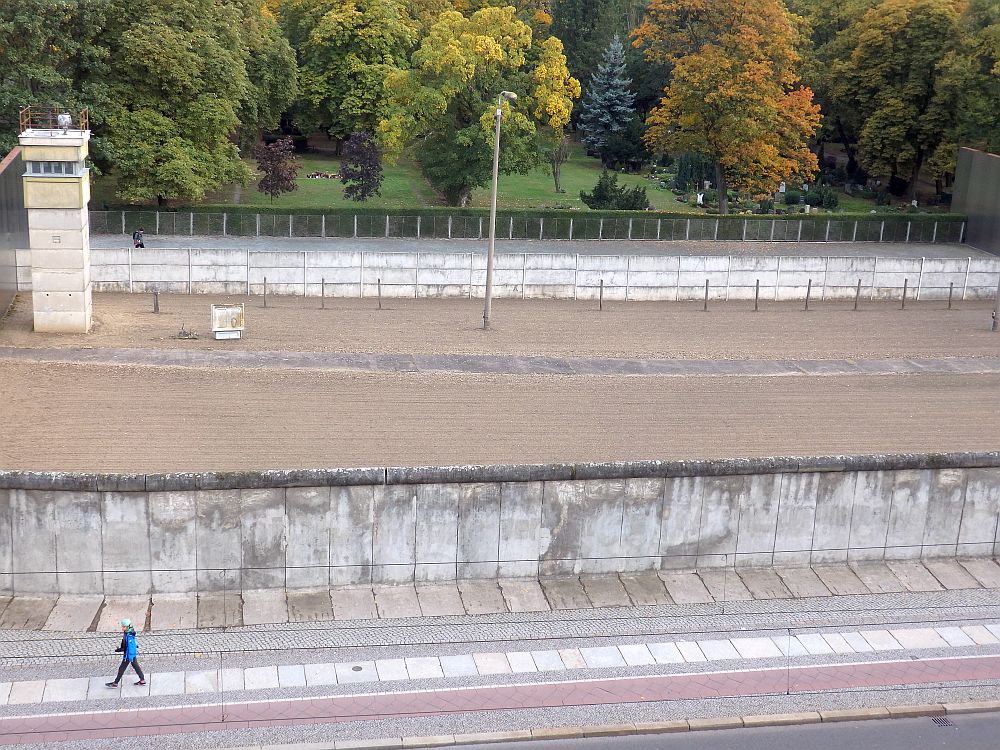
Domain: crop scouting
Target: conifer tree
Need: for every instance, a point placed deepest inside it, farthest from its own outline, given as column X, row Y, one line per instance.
column 608, row 107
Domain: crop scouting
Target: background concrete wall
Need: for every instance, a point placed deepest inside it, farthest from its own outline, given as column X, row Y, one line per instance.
column 13, row 226
column 139, row 534
column 977, row 194
column 532, row 276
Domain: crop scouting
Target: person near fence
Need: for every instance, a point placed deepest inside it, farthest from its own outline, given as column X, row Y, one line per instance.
column 129, row 649
column 137, row 238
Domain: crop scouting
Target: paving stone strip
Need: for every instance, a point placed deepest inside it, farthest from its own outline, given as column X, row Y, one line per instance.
column 167, row 612
column 503, row 365
column 732, row 651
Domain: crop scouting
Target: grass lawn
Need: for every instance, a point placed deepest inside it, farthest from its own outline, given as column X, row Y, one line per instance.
column 404, row 187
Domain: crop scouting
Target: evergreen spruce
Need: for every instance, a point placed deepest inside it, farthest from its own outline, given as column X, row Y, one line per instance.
column 608, row 107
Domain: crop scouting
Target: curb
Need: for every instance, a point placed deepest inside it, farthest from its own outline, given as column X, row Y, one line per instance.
column 661, row 727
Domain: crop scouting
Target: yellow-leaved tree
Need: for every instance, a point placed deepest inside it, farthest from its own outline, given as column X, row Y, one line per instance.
column 444, row 103
column 734, row 93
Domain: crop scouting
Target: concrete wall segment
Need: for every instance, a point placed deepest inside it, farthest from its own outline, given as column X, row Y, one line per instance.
column 173, row 537
column 533, row 275
column 351, row 531
column 307, row 553
column 783, row 510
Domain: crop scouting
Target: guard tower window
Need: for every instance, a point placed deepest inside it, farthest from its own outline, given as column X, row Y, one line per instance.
column 55, row 168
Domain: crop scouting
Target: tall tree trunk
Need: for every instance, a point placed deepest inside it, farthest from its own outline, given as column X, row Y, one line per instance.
column 918, row 163
column 558, row 156
column 852, row 161
column 720, row 186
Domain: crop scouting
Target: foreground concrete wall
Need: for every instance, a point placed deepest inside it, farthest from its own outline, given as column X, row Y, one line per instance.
column 137, row 534
column 533, row 276
column 13, row 226
column 977, row 193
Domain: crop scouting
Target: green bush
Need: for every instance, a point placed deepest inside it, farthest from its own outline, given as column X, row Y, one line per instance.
column 792, row 197
column 608, row 194
column 823, row 196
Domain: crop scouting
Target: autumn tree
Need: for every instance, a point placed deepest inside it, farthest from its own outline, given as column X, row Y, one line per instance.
column 554, row 92
column 444, row 102
column 972, row 74
column 278, row 167
column 829, row 45
column 734, row 94
column 361, row 167
column 346, row 50
column 893, row 79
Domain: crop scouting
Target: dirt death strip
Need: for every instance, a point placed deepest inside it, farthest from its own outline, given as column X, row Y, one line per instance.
column 150, row 419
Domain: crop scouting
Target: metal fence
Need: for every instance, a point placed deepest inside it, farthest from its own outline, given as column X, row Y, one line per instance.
column 440, row 226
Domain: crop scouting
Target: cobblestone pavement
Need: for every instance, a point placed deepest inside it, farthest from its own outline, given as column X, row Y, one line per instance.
column 569, row 663
column 582, row 247
column 503, row 365
column 341, row 709
column 731, row 647
column 462, row 673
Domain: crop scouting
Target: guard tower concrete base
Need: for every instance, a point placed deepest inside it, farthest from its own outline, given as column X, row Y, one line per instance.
column 56, row 193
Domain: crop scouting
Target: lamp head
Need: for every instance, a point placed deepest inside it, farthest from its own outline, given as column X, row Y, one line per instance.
column 509, row 95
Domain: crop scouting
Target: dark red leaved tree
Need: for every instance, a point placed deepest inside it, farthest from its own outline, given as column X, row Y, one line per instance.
column 279, row 167
column 361, row 167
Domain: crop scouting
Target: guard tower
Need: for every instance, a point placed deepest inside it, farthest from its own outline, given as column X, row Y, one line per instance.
column 54, row 147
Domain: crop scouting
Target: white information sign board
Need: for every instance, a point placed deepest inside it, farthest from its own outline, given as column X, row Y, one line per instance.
column 228, row 321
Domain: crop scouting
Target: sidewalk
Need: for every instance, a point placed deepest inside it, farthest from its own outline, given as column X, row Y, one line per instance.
column 571, row 664
column 449, row 674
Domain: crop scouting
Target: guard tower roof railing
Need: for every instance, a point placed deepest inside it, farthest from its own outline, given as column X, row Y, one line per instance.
column 34, row 117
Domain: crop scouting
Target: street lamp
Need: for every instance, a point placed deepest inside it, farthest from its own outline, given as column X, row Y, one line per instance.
column 510, row 96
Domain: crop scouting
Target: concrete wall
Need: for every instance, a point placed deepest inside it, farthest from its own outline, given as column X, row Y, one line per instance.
column 532, row 276
column 977, row 193
column 13, row 226
column 130, row 534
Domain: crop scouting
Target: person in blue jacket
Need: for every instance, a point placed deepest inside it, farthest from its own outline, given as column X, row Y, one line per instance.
column 129, row 650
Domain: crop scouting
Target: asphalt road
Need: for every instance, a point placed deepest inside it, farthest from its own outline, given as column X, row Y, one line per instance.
column 970, row 732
